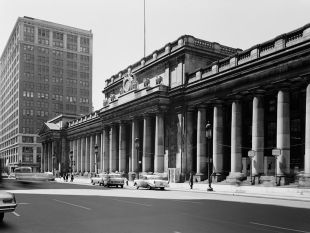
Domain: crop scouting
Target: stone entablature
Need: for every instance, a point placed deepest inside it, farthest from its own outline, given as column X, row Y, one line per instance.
column 279, row 43
column 84, row 119
column 157, row 55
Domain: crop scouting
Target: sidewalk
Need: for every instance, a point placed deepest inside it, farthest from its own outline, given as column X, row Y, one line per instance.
column 289, row 192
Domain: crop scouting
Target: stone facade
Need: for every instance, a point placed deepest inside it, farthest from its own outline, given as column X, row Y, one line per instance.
column 155, row 113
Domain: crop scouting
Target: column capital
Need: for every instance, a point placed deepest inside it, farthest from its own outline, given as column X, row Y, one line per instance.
column 201, row 106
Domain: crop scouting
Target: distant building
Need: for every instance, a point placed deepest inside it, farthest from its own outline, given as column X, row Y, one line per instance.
column 155, row 114
column 45, row 70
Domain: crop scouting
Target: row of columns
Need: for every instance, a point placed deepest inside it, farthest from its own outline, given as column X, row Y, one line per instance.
column 115, row 153
column 283, row 136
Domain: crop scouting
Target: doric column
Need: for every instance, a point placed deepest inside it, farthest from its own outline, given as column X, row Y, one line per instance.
column 307, row 134
column 283, row 132
column 134, row 155
column 113, row 149
column 122, row 147
column 78, row 154
column 91, row 154
column 83, row 155
column 147, row 140
column 180, row 141
column 236, row 137
column 258, row 135
column 159, row 143
column 201, row 141
column 42, row 157
column 106, row 150
column 218, row 139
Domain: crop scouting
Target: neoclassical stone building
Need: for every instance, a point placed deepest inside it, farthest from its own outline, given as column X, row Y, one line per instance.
column 155, row 113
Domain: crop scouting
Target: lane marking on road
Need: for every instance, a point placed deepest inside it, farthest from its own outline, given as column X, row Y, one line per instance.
column 16, row 214
column 23, row 203
column 277, row 227
column 185, row 201
column 83, row 207
column 131, row 202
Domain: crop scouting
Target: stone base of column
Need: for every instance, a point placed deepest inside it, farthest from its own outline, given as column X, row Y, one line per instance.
column 235, row 177
column 304, row 180
column 200, row 177
column 218, row 177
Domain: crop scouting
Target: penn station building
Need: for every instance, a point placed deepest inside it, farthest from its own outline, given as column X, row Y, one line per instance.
column 201, row 107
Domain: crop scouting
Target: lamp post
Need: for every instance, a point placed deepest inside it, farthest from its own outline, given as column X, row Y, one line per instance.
column 71, row 161
column 276, row 152
column 209, row 137
column 137, row 145
column 251, row 154
column 96, row 153
column 53, row 163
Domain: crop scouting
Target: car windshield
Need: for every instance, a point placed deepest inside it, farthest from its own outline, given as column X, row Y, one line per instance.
column 115, row 176
column 153, row 178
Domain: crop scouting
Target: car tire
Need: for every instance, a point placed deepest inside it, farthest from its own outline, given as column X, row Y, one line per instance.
column 122, row 186
column 149, row 187
column 162, row 188
column 1, row 217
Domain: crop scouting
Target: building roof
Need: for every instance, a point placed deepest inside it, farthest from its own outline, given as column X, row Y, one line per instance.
column 52, row 126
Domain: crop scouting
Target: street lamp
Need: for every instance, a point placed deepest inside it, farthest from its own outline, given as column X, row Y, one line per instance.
column 71, row 160
column 53, row 164
column 96, row 153
column 276, row 153
column 137, row 145
column 209, row 137
column 251, row 154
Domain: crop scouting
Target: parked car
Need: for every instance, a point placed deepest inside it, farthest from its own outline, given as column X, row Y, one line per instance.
column 49, row 175
column 115, row 179
column 100, row 179
column 7, row 203
column 151, row 182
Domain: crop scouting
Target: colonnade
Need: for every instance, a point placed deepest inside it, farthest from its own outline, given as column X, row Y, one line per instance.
column 117, row 147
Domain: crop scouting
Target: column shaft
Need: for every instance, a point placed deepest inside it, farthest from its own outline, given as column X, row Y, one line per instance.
column 307, row 134
column 258, row 135
column 159, row 144
column 113, row 149
column 122, row 148
column 236, row 137
column 134, row 155
column 147, row 149
column 283, row 132
column 106, row 155
column 201, row 142
column 218, row 139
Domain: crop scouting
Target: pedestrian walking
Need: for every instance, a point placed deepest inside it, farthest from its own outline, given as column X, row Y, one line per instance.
column 72, row 178
column 191, row 180
column 67, row 176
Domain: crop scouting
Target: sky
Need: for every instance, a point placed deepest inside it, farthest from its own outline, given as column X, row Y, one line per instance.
column 117, row 25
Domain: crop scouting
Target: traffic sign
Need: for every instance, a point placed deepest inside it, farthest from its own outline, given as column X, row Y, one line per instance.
column 276, row 152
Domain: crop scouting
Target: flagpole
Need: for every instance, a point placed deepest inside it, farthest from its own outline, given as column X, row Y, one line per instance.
column 144, row 23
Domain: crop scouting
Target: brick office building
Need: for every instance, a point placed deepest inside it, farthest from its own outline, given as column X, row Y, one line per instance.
column 46, row 70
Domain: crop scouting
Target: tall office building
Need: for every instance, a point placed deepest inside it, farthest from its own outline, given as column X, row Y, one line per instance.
column 45, row 70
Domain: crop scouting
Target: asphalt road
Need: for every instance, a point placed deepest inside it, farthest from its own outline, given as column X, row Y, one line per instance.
column 145, row 211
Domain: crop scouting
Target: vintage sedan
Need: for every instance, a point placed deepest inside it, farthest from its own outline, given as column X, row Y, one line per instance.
column 7, row 203
column 115, row 179
column 100, row 179
column 151, row 182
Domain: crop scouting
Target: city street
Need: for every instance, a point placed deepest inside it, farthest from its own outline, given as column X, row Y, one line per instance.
column 62, row 207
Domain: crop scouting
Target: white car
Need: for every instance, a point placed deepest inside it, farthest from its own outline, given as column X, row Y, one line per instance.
column 7, row 203
column 151, row 182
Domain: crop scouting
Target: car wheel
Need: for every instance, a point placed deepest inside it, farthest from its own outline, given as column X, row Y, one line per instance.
column 149, row 187
column 1, row 217
column 122, row 186
column 162, row 188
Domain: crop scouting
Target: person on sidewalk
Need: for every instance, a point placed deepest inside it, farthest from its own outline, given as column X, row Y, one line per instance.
column 191, row 180
column 72, row 178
